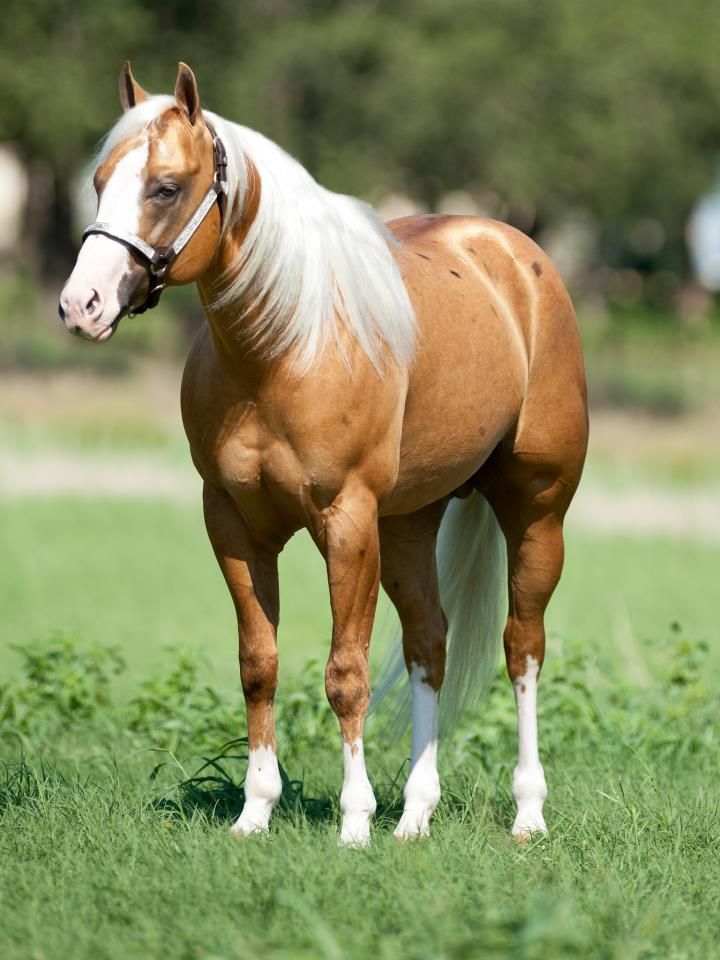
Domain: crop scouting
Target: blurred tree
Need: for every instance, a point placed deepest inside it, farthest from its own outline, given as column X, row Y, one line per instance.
column 609, row 107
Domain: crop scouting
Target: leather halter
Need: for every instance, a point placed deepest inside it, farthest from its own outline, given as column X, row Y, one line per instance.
column 158, row 260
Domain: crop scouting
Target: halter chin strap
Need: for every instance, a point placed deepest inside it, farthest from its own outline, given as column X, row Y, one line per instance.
column 158, row 260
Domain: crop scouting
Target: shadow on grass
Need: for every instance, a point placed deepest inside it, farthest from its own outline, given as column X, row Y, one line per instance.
column 215, row 793
column 218, row 794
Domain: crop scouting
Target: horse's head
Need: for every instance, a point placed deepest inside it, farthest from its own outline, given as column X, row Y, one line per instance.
column 158, row 219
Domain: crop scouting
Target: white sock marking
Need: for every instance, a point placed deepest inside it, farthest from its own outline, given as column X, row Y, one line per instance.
column 422, row 790
column 357, row 800
column 263, row 787
column 529, row 788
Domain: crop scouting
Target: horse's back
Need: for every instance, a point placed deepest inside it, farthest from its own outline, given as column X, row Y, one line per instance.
column 499, row 263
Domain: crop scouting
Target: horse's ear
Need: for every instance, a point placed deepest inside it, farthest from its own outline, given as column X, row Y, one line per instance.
column 186, row 92
column 131, row 93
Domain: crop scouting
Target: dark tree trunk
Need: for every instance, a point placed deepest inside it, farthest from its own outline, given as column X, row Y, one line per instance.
column 47, row 244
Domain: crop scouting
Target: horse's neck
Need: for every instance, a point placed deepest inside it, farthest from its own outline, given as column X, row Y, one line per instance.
column 230, row 325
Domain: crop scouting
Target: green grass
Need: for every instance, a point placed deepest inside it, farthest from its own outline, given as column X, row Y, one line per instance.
column 110, row 846
column 651, row 362
column 141, row 575
column 105, row 855
column 96, row 872
column 90, row 431
column 673, row 471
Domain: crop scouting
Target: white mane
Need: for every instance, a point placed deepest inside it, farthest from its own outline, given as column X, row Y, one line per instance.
column 311, row 257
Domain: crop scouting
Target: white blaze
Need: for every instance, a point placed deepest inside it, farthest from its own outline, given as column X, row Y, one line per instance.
column 102, row 263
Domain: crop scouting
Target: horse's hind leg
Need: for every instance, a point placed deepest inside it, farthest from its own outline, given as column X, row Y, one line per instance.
column 530, row 501
column 409, row 577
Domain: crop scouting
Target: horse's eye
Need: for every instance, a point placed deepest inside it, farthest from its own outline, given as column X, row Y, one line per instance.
column 167, row 190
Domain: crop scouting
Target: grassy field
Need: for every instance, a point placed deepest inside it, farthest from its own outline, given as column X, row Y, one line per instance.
column 121, row 724
column 112, row 846
column 141, row 576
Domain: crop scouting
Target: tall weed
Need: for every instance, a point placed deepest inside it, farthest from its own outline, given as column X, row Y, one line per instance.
column 64, row 688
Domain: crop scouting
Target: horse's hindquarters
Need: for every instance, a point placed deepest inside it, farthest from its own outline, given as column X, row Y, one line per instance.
column 497, row 345
column 468, row 378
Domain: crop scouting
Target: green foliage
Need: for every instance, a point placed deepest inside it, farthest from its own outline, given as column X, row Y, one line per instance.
column 304, row 717
column 176, row 707
column 644, row 360
column 121, row 856
column 65, row 684
column 553, row 106
column 60, row 684
column 671, row 719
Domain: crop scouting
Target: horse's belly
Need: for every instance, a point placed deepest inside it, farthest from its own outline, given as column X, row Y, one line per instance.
column 437, row 459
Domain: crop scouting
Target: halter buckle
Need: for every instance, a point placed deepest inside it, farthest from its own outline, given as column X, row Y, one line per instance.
column 220, row 162
column 158, row 268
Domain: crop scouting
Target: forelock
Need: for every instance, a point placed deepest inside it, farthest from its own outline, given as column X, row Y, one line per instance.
column 132, row 123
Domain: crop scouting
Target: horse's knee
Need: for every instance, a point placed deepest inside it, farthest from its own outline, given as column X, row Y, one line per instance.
column 259, row 673
column 347, row 684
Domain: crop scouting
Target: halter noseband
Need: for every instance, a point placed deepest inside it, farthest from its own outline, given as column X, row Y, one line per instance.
column 158, row 260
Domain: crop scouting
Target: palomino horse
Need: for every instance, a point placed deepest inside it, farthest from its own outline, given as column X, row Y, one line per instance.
column 359, row 381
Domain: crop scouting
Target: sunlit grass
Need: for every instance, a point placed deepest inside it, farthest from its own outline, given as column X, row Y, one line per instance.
column 112, row 846
column 141, row 575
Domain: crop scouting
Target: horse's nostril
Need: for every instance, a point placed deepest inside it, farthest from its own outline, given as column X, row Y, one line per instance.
column 93, row 303
column 61, row 312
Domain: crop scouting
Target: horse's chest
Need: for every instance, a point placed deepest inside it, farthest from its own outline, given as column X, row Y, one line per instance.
column 241, row 455
column 226, row 444
column 238, row 468
column 238, row 464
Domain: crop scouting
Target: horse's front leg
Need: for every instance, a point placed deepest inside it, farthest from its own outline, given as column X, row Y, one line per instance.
column 250, row 571
column 348, row 537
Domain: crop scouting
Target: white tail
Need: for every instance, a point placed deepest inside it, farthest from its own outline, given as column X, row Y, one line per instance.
column 472, row 566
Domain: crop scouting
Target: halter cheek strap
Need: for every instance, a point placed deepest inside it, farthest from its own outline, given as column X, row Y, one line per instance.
column 158, row 260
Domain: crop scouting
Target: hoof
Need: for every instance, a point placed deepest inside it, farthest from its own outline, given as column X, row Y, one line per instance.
column 249, row 826
column 355, row 832
column 522, row 837
column 413, row 825
column 528, row 827
column 245, row 832
column 251, row 830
